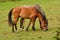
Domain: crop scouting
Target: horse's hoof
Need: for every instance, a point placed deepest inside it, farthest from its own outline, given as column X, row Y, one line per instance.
column 26, row 29
column 34, row 30
column 13, row 31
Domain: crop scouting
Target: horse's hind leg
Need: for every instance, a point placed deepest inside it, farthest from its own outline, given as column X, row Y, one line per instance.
column 12, row 27
column 21, row 23
column 16, row 24
column 28, row 25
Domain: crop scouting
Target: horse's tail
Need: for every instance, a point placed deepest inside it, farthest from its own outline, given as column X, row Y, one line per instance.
column 10, row 18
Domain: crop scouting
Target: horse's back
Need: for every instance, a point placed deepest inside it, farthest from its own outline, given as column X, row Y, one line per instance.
column 28, row 11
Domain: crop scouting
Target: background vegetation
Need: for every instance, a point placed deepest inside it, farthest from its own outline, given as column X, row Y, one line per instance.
column 52, row 11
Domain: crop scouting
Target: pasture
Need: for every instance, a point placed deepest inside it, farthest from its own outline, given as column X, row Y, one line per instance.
column 52, row 11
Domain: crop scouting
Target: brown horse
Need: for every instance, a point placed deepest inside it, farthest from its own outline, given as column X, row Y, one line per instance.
column 27, row 12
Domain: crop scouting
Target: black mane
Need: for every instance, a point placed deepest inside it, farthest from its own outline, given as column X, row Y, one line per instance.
column 41, row 11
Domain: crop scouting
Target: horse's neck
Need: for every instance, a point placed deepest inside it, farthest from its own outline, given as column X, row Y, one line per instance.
column 40, row 17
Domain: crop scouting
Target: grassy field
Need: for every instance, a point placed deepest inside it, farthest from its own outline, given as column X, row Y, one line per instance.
column 52, row 11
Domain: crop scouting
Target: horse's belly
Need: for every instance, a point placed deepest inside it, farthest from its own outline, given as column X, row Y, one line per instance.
column 24, row 15
column 27, row 15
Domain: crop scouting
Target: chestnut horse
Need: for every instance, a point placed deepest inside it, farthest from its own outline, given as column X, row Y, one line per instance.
column 27, row 12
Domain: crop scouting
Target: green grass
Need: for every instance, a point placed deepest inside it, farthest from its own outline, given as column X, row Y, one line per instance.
column 52, row 11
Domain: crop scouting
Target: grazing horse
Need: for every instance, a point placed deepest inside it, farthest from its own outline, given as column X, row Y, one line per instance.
column 27, row 12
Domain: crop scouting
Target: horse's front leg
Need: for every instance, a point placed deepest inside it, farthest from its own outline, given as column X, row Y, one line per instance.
column 33, row 23
column 40, row 25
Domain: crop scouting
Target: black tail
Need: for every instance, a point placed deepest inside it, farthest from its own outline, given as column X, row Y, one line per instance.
column 9, row 17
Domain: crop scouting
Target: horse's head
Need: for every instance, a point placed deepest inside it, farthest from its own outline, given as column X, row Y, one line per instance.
column 44, row 25
column 42, row 17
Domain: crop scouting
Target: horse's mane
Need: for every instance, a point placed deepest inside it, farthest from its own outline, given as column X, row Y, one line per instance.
column 40, row 10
